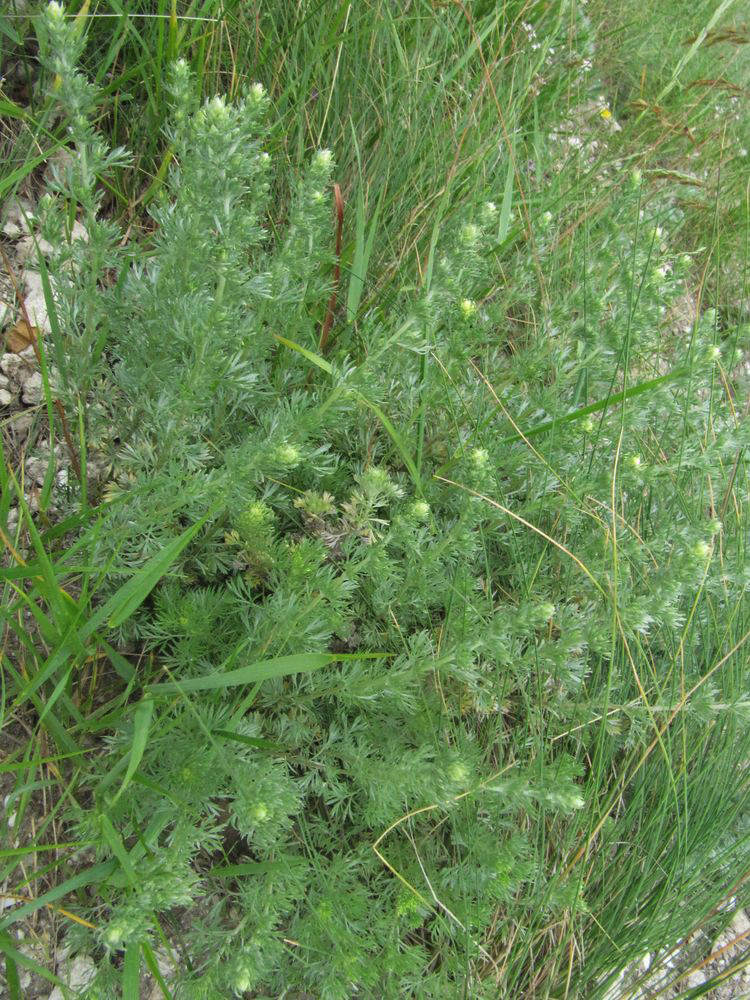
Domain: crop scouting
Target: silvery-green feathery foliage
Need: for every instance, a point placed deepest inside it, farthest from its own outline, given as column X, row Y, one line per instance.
column 335, row 525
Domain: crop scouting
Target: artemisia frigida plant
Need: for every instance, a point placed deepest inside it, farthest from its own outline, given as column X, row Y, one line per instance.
column 400, row 825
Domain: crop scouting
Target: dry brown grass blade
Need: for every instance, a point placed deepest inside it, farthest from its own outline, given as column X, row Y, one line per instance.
column 325, row 332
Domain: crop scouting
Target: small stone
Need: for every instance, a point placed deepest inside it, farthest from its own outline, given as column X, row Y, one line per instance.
column 78, row 974
column 14, row 224
column 721, row 942
column 36, row 305
column 79, row 232
column 36, row 469
column 57, row 163
column 11, row 365
column 95, row 469
column 21, row 422
column 167, row 969
column 695, row 979
column 33, row 389
column 26, row 248
column 5, row 398
column 16, row 72
column 62, row 954
column 740, row 923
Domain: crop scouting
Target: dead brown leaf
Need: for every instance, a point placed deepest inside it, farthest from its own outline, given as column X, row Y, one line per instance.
column 20, row 336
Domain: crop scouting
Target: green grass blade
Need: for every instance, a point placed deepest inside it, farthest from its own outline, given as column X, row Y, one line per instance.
column 15, row 958
column 11, row 975
column 153, row 967
column 249, row 741
column 141, row 726
column 310, row 355
column 601, row 405
column 14, row 178
column 21, row 852
column 507, row 206
column 697, row 42
column 60, row 603
column 131, row 968
column 263, row 670
column 132, row 594
column 114, row 841
column 116, row 610
column 363, row 243
column 91, row 876
column 54, row 322
column 385, row 421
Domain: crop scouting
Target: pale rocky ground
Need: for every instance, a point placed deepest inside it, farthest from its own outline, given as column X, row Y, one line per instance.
column 689, row 965
column 23, row 408
column 21, row 387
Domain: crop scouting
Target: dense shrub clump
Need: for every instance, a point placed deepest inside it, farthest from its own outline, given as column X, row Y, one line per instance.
column 406, row 696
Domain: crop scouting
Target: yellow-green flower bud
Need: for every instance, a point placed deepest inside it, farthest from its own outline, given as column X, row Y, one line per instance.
column 323, row 159
column 288, row 455
column 420, row 509
column 489, row 212
column 216, row 109
column 458, row 772
column 259, row 813
column 701, row 550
